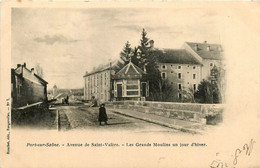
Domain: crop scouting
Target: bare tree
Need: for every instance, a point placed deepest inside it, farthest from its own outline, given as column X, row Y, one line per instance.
column 162, row 90
column 39, row 70
column 188, row 95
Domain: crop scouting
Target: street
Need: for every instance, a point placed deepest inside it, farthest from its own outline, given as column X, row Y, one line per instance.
column 80, row 116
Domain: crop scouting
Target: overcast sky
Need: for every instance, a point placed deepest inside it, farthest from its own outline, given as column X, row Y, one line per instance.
column 69, row 42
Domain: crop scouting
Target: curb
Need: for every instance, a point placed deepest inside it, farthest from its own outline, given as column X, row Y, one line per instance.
column 176, row 127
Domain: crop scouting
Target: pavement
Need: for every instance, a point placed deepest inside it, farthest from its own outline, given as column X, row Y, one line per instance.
column 79, row 116
column 181, row 125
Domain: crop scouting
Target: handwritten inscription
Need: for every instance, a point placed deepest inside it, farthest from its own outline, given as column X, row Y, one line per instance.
column 246, row 150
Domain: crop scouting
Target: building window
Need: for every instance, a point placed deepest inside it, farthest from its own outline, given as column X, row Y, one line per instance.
column 180, row 87
column 163, row 67
column 194, row 76
column 194, row 67
column 179, row 75
column 211, row 64
column 164, row 75
column 211, row 73
column 179, row 67
column 179, row 95
column 130, row 93
column 172, row 83
column 194, row 87
column 171, row 71
column 132, row 87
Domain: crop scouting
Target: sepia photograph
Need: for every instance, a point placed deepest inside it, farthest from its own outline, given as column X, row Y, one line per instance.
column 122, row 68
column 95, row 84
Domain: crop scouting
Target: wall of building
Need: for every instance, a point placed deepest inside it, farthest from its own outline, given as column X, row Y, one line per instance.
column 27, row 91
column 126, row 87
column 207, row 66
column 98, row 85
column 32, row 92
column 190, row 77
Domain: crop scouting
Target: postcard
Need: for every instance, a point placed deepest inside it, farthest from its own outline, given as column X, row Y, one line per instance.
column 130, row 84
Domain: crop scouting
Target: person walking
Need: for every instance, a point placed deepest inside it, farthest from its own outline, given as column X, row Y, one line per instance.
column 93, row 102
column 67, row 100
column 102, row 114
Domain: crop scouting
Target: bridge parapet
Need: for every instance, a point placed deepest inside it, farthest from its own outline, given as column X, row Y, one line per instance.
column 203, row 113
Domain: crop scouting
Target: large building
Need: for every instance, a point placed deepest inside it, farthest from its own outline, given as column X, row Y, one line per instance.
column 27, row 87
column 98, row 83
column 186, row 68
column 209, row 55
column 183, row 68
column 182, row 71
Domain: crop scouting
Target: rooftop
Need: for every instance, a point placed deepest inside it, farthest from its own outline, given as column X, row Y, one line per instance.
column 19, row 71
column 102, row 67
column 178, row 56
column 129, row 71
column 206, row 50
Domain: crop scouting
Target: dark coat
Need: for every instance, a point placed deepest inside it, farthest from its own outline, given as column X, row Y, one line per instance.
column 102, row 114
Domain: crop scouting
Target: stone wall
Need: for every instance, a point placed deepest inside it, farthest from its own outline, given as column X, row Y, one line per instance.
column 26, row 113
column 183, row 111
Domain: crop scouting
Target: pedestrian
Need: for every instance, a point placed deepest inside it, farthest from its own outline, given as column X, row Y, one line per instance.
column 67, row 100
column 93, row 102
column 102, row 114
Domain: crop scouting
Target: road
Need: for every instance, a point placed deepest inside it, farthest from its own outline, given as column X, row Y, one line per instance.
column 80, row 116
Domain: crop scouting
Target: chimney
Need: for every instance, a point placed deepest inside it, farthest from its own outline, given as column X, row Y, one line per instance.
column 18, row 65
column 24, row 64
column 196, row 47
column 32, row 70
column 144, row 69
column 151, row 43
column 208, row 48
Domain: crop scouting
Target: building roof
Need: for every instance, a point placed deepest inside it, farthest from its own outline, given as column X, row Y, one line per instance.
column 103, row 67
column 213, row 52
column 129, row 71
column 178, row 56
column 44, row 81
column 19, row 71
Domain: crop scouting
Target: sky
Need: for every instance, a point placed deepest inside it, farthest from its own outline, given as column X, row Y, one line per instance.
column 68, row 42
